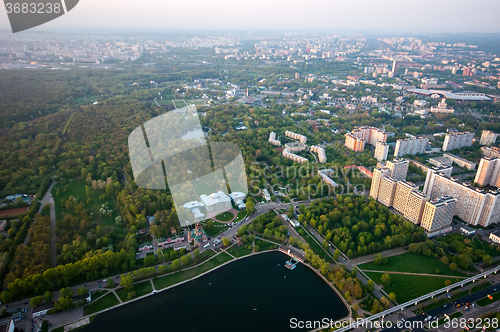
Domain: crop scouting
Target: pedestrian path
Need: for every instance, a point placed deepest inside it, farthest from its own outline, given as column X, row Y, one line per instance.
column 416, row 274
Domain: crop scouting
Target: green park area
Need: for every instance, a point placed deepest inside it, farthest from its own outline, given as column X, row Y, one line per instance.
column 263, row 245
column 138, row 289
column 408, row 287
column 412, row 263
column 104, row 302
column 241, row 215
column 62, row 192
column 225, row 216
column 490, row 249
column 239, row 251
column 175, row 278
column 214, row 228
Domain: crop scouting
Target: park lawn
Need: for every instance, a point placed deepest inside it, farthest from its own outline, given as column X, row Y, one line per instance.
column 315, row 246
column 407, row 287
column 485, row 301
column 101, row 304
column 264, row 245
column 239, row 251
column 217, row 229
column 202, row 187
column 241, row 215
column 225, row 216
column 175, row 278
column 180, row 103
column 163, row 101
column 77, row 190
column 413, row 263
column 489, row 248
column 97, row 294
column 140, row 289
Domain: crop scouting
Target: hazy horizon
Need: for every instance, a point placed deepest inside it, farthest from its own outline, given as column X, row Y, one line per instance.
column 279, row 15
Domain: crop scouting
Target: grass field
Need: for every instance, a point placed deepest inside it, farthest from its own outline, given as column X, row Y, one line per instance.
column 225, row 216
column 140, row 289
column 264, row 245
column 239, row 251
column 175, row 278
column 179, row 103
column 407, row 287
column 241, row 215
column 315, row 246
column 219, row 228
column 101, row 304
column 413, row 263
column 97, row 294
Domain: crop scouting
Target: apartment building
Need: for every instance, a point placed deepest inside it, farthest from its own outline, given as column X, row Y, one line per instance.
column 272, row 139
column 321, row 153
column 475, row 206
column 378, row 174
column 491, row 152
column 354, row 143
column 410, row 146
column 370, row 135
column 289, row 155
column 295, row 146
column 399, row 168
column 457, row 140
column 301, row 138
column 438, row 215
column 381, row 151
column 415, row 206
column 460, row 161
column 431, row 172
column 402, row 194
column 488, row 173
column 488, row 137
column 387, row 190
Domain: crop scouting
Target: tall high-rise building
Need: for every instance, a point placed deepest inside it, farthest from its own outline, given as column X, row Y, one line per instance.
column 370, row 135
column 438, row 214
column 402, row 194
column 381, row 151
column 415, row 207
column 475, row 206
column 431, row 172
column 378, row 174
column 410, row 146
column 399, row 168
column 394, row 68
column 354, row 143
column 488, row 173
column 387, row 190
column 488, row 137
column 457, row 140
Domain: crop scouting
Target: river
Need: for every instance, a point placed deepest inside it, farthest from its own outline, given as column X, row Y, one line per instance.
column 252, row 294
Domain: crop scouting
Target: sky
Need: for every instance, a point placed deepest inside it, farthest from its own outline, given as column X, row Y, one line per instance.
column 279, row 15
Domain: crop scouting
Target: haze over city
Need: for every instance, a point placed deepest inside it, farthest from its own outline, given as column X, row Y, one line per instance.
column 279, row 15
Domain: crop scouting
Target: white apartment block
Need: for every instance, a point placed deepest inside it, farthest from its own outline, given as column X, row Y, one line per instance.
column 272, row 139
column 491, row 152
column 321, row 153
column 460, row 161
column 488, row 173
column 474, row 205
column 410, row 146
column 457, row 140
column 298, row 159
column 438, row 214
column 381, row 151
column 299, row 137
column 488, row 137
column 399, row 168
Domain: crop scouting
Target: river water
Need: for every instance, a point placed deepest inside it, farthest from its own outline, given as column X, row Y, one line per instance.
column 252, row 294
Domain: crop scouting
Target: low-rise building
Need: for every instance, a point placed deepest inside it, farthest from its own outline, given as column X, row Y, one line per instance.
column 467, row 230
column 495, row 237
